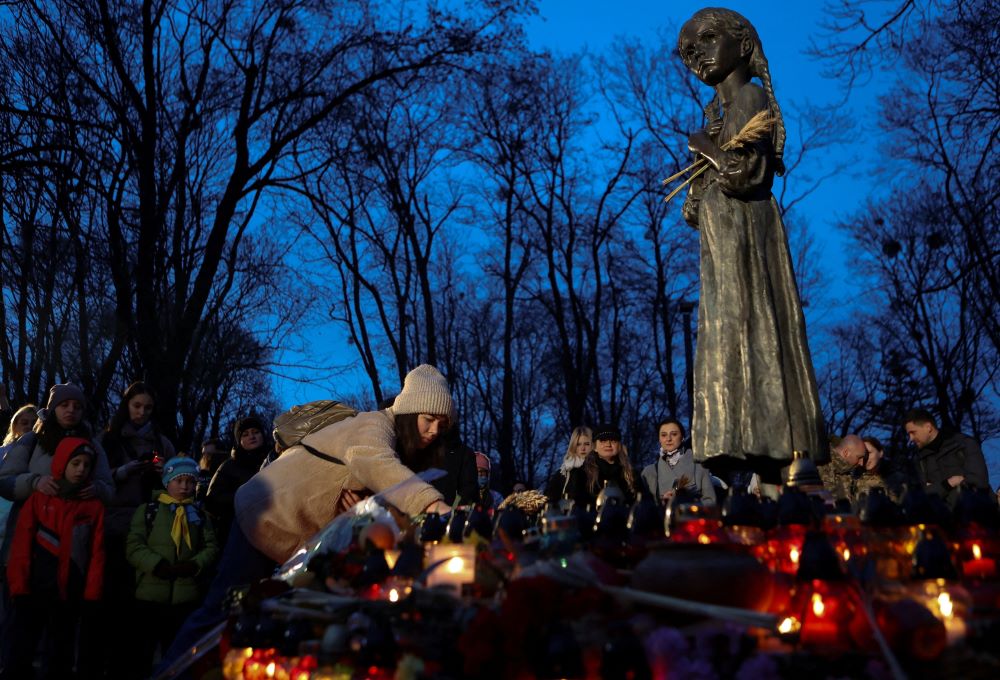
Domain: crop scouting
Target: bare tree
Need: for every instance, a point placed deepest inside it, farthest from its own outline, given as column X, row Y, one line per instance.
column 191, row 113
column 933, row 243
column 502, row 121
column 574, row 209
column 382, row 204
column 933, row 317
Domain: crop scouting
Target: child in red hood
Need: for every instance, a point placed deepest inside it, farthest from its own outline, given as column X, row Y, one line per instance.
column 56, row 563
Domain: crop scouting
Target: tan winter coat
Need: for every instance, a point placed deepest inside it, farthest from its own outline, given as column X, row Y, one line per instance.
column 290, row 500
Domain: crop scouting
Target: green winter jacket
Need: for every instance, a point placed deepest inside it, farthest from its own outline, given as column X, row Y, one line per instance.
column 144, row 552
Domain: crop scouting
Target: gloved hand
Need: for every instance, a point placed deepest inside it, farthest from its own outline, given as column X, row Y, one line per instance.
column 164, row 570
column 185, row 569
column 130, row 469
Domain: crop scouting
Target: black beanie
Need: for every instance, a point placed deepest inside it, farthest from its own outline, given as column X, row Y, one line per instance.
column 244, row 424
column 607, row 432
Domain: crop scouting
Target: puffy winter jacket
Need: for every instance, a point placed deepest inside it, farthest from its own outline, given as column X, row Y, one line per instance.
column 294, row 497
column 145, row 551
column 59, row 537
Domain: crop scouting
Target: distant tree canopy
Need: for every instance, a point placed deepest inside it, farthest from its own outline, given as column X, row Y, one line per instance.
column 930, row 245
column 139, row 140
column 188, row 186
column 509, row 225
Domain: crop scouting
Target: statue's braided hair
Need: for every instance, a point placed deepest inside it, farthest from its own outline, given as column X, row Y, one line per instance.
column 737, row 25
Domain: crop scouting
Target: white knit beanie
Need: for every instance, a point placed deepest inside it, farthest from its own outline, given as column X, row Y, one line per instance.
column 424, row 391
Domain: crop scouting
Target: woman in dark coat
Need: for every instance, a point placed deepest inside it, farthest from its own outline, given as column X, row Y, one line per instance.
column 570, row 481
column 609, row 464
column 252, row 447
column 136, row 452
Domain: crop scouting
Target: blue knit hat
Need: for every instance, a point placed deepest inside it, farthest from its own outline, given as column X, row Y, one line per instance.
column 179, row 466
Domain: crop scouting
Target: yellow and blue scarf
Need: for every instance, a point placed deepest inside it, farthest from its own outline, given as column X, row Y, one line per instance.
column 184, row 512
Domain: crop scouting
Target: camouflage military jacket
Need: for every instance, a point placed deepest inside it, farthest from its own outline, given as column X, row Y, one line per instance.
column 852, row 481
column 837, row 476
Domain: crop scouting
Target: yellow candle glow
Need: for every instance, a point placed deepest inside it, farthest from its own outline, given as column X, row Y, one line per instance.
column 945, row 604
column 456, row 565
column 789, row 625
column 817, row 604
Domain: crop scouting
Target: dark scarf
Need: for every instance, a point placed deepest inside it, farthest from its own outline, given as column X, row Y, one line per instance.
column 934, row 446
column 69, row 490
column 611, row 472
column 251, row 459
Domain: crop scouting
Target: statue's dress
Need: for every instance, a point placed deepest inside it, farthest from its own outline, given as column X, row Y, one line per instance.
column 754, row 386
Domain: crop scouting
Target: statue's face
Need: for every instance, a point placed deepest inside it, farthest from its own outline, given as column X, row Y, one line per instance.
column 710, row 52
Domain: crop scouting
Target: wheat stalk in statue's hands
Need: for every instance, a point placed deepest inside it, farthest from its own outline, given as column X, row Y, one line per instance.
column 757, row 128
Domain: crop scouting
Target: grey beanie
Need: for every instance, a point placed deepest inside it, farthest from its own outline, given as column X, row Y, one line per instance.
column 425, row 391
column 64, row 392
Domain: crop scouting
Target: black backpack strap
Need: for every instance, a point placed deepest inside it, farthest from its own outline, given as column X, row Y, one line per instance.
column 151, row 508
column 319, row 454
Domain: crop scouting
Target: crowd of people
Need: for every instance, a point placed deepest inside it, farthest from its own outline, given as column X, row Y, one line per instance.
column 118, row 550
column 105, row 549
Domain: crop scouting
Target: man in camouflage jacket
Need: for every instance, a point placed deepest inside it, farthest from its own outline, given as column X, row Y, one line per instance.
column 854, row 470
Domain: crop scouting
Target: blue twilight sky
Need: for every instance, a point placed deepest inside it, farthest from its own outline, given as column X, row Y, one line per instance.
column 785, row 29
column 571, row 26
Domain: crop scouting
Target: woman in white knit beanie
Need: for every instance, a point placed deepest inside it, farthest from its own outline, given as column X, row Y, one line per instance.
column 298, row 494
column 294, row 497
column 422, row 412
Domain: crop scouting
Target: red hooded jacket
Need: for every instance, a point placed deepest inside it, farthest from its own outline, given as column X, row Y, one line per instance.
column 70, row 529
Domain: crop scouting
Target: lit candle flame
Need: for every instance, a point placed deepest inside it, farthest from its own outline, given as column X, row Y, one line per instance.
column 270, row 669
column 847, row 554
column 977, row 552
column 788, row 625
column 704, row 539
column 817, row 604
column 455, row 565
column 945, row 604
column 793, row 555
column 393, row 595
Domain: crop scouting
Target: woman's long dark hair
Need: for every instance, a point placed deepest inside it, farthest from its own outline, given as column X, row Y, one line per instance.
column 112, row 440
column 409, row 448
column 50, row 432
column 593, row 473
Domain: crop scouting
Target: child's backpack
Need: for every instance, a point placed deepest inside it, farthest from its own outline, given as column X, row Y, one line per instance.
column 297, row 422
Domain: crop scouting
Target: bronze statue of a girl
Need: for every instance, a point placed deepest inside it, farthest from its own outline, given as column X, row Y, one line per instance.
column 755, row 395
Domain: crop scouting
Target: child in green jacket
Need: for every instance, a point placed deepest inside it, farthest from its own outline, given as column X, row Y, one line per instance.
column 170, row 542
